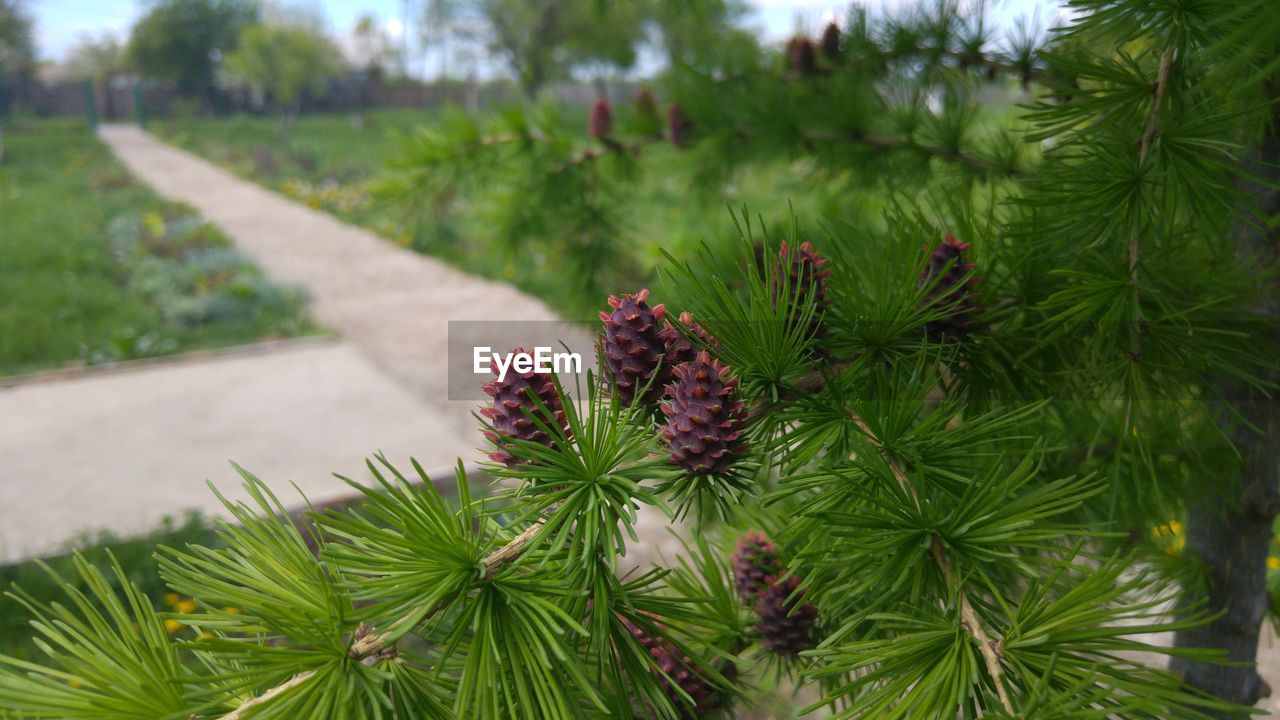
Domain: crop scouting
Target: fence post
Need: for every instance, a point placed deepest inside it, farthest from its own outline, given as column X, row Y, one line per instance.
column 139, row 107
column 90, row 106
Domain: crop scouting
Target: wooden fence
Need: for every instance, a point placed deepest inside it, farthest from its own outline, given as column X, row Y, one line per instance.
column 123, row 98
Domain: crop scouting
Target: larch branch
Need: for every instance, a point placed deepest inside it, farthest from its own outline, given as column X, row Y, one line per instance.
column 373, row 643
column 1149, row 130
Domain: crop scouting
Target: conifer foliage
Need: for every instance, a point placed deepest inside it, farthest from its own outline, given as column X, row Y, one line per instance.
column 919, row 495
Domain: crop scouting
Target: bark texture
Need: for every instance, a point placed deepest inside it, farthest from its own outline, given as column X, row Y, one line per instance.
column 1230, row 532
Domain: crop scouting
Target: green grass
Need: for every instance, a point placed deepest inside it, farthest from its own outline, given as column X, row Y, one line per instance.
column 329, row 163
column 135, row 555
column 94, row 267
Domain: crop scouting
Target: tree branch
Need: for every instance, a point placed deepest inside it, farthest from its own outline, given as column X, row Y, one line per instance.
column 610, row 145
column 269, row 695
column 373, row 643
column 1149, row 130
column 891, row 144
column 988, row 647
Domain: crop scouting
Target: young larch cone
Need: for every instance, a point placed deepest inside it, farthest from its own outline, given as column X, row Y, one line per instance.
column 679, row 348
column 830, row 42
column 679, row 126
column 677, row 669
column 600, row 123
column 633, row 346
column 646, row 105
column 705, row 418
column 787, row 621
column 802, row 59
column 512, row 408
column 755, row 561
column 805, row 274
column 951, row 288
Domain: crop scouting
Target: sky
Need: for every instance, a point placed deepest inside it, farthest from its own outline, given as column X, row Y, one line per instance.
column 59, row 23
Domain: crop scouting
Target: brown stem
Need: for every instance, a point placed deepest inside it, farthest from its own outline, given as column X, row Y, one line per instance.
column 267, row 696
column 632, row 148
column 1150, row 127
column 886, row 143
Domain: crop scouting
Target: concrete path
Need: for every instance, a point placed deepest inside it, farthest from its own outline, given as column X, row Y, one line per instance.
column 391, row 303
column 121, row 450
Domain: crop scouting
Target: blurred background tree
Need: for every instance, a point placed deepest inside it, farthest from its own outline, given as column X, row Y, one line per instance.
column 544, row 40
column 96, row 57
column 683, row 30
column 183, row 41
column 97, row 60
column 17, row 56
column 282, row 60
column 373, row 50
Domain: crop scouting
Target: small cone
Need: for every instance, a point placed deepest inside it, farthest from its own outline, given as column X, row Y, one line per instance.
column 754, row 562
column 705, row 418
column 830, row 42
column 802, row 59
column 679, row 348
column 679, row 126
column 806, row 275
column 952, row 287
column 787, row 620
column 633, row 347
column 646, row 104
column 601, row 121
column 672, row 666
column 509, row 414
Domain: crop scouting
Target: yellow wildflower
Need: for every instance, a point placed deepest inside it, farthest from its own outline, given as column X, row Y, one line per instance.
column 154, row 224
column 171, row 599
column 186, row 606
column 1273, row 563
column 172, row 626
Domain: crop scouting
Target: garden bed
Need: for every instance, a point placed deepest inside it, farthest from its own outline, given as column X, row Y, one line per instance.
column 98, row 269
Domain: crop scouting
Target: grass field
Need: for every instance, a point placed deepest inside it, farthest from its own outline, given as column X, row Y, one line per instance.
column 94, row 267
column 33, row 580
column 333, row 164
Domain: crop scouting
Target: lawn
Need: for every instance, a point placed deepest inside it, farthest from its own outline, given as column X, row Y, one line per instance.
column 95, row 268
column 332, row 163
column 32, row 579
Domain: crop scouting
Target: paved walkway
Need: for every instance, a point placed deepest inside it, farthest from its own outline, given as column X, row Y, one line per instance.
column 120, row 450
column 390, row 302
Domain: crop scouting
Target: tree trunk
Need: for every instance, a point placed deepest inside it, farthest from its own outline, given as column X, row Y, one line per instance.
column 288, row 115
column 1230, row 534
